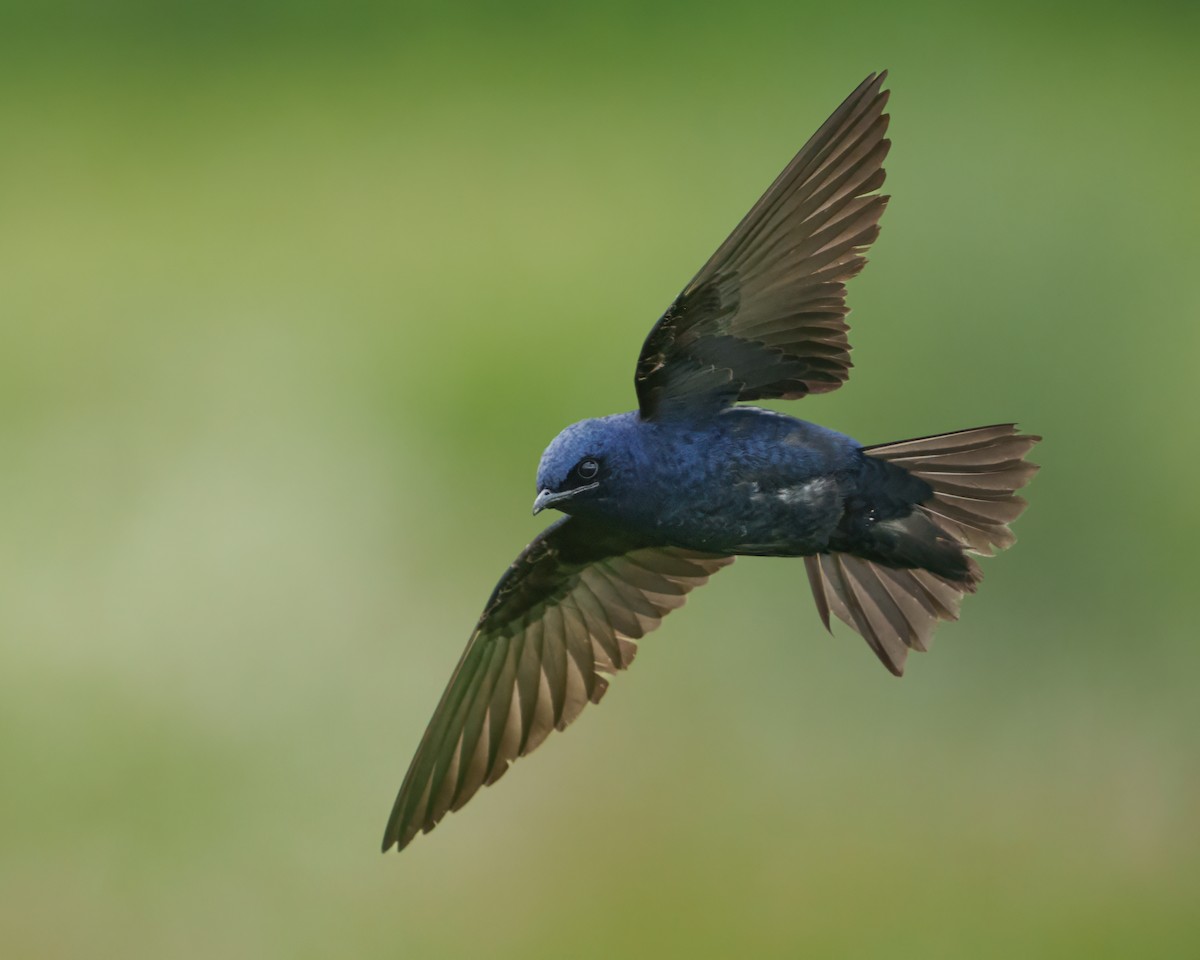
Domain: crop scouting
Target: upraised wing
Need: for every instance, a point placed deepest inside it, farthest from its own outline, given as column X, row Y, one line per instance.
column 564, row 614
column 766, row 316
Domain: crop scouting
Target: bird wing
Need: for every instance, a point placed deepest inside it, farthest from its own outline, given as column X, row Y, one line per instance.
column 564, row 614
column 765, row 317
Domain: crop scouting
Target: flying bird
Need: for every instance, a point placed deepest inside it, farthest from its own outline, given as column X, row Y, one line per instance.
column 659, row 499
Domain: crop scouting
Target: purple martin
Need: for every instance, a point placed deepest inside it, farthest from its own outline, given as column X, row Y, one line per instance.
column 659, row 499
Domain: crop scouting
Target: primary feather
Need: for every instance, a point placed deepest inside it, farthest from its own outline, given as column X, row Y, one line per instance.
column 765, row 317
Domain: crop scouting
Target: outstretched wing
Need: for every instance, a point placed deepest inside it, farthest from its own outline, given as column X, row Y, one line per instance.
column 566, row 613
column 765, row 317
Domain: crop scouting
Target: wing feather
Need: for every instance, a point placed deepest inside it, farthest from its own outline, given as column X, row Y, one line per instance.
column 565, row 613
column 765, row 316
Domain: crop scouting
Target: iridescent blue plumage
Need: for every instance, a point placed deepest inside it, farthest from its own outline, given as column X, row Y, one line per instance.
column 745, row 481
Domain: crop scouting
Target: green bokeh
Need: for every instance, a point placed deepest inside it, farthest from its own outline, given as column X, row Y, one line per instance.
column 292, row 297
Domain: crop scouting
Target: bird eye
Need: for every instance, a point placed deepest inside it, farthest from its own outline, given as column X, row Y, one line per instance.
column 587, row 469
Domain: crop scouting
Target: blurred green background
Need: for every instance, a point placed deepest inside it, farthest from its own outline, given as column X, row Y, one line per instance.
column 294, row 294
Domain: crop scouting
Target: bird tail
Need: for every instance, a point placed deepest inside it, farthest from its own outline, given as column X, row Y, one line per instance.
column 973, row 474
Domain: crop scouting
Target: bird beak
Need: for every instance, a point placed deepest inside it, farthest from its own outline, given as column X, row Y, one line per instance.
column 546, row 498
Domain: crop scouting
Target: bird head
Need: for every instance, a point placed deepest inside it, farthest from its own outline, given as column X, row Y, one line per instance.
column 583, row 465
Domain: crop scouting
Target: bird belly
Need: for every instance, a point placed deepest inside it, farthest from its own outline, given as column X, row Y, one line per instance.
column 757, row 518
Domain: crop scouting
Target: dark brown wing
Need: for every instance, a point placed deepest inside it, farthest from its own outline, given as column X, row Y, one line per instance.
column 566, row 613
column 765, row 317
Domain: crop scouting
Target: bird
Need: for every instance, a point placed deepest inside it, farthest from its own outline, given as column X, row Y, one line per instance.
column 659, row 499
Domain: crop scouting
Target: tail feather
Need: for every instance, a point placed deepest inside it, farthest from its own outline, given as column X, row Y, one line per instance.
column 974, row 474
column 977, row 516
